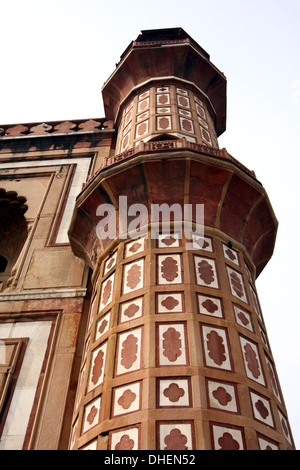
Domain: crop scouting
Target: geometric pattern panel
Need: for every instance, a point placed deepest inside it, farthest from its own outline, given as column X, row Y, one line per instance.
column 252, row 361
column 107, row 292
column 91, row 415
column 126, row 399
column 172, row 348
column 222, row 396
column 237, row 284
column 227, row 438
column 175, row 436
column 230, row 254
column 266, row 444
column 205, row 270
column 171, row 302
column 102, row 326
column 285, row 426
column 261, row 409
column 125, row 439
column 273, row 379
column 133, row 278
column 210, row 306
column 243, row 318
column 169, row 269
column 97, row 367
column 131, row 310
column 129, row 351
column 174, row 392
column 216, row 348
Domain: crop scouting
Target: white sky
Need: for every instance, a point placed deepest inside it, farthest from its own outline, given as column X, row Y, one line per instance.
column 55, row 57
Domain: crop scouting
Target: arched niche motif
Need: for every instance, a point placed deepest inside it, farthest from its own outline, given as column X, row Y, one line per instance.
column 13, row 232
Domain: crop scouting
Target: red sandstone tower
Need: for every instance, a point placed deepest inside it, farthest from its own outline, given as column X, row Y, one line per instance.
column 176, row 350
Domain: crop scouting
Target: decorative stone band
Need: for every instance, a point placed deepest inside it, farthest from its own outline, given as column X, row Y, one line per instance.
column 168, row 145
column 42, row 294
column 54, row 128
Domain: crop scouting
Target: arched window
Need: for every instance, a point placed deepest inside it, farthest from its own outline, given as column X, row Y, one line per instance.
column 3, row 264
column 13, row 231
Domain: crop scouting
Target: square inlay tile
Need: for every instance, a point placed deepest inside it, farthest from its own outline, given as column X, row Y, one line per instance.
column 222, row 396
column 170, row 302
column 110, row 263
column 206, row 273
column 126, row 399
column 96, row 373
column 261, row 409
column 102, row 326
column 133, row 276
column 125, row 439
column 231, row 254
column 252, row 360
column 131, row 310
column 227, row 438
column 107, row 292
column 166, row 240
column 243, row 318
column 129, row 351
column 267, row 444
column 91, row 415
column 216, row 349
column 175, row 436
column 211, row 306
column 200, row 242
column 285, row 426
column 172, row 349
column 174, row 392
column 134, row 247
column 169, row 269
column 236, row 282
column 273, row 379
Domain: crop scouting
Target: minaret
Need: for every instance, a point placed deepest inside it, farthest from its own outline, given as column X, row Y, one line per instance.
column 176, row 349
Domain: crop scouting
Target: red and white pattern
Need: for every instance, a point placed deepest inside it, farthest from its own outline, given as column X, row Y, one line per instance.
column 273, row 379
column 183, row 101
column 227, row 438
column 133, row 276
column 216, row 349
column 173, row 392
column 143, row 105
column 164, row 123
column 172, row 344
column 107, row 292
column 202, row 243
column 205, row 135
column 252, row 361
column 261, row 409
column 186, row 125
column 166, row 240
column 169, row 269
column 243, row 318
column 181, row 91
column 110, row 263
column 125, row 439
column 266, row 444
column 206, row 273
column 222, row 396
column 129, row 351
column 236, row 282
column 97, row 366
column 131, row 310
column 231, row 254
column 175, row 436
column 142, row 129
column 211, row 306
column 285, row 426
column 126, row 399
column 91, row 415
column 170, row 302
column 134, row 247
column 102, row 326
column 256, row 303
column 90, row 446
column 163, row 99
